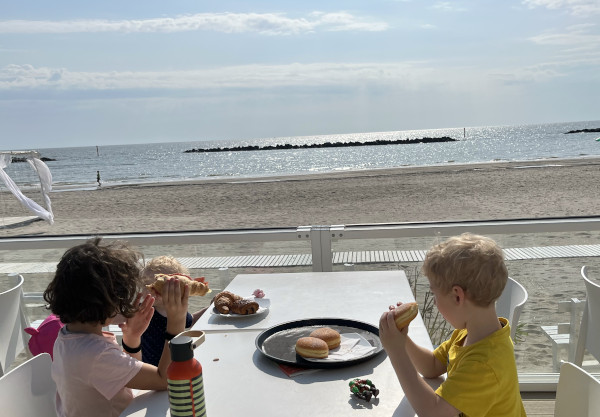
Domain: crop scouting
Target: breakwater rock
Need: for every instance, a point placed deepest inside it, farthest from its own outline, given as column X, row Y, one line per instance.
column 324, row 145
column 19, row 159
column 597, row 129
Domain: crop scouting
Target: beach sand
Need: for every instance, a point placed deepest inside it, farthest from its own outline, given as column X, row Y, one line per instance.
column 457, row 192
column 550, row 188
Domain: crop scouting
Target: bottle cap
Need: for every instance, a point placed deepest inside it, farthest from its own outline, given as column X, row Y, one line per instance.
column 181, row 349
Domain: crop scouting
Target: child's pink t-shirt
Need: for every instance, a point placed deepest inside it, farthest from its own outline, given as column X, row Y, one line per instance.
column 91, row 372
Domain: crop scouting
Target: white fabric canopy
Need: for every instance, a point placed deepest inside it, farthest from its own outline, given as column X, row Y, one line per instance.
column 46, row 183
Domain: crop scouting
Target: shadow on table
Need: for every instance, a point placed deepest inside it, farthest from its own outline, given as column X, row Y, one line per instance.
column 156, row 401
column 239, row 322
column 319, row 375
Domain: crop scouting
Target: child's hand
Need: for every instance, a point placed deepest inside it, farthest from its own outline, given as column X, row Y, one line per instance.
column 136, row 325
column 175, row 303
column 391, row 338
column 393, row 307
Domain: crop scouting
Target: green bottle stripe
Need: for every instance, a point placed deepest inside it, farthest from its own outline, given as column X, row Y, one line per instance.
column 188, row 403
column 182, row 403
column 183, row 382
column 188, row 412
column 180, row 395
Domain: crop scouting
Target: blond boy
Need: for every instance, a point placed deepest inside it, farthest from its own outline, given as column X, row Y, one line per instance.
column 153, row 337
column 466, row 275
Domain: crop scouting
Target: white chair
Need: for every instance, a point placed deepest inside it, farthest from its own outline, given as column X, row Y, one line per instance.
column 589, row 332
column 510, row 304
column 563, row 336
column 11, row 334
column 28, row 389
column 577, row 393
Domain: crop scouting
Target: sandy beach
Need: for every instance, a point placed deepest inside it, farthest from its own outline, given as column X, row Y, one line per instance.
column 551, row 188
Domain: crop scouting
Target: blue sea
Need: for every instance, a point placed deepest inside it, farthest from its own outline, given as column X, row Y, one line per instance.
column 76, row 168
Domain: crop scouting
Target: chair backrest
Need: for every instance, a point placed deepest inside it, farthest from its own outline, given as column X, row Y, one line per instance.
column 589, row 332
column 11, row 335
column 510, row 304
column 577, row 394
column 28, row 389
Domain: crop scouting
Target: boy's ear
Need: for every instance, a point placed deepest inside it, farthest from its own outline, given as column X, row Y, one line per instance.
column 458, row 294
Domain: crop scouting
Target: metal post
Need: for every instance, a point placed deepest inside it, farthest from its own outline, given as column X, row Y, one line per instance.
column 320, row 242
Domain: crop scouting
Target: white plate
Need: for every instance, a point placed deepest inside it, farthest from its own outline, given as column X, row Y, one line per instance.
column 263, row 307
column 259, row 312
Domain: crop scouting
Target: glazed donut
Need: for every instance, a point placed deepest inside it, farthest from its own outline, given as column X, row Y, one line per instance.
column 404, row 314
column 311, row 347
column 328, row 335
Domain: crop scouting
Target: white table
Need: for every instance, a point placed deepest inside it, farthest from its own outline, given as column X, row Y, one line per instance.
column 356, row 295
column 239, row 380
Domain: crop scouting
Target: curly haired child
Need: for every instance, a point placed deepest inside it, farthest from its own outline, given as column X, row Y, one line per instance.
column 93, row 283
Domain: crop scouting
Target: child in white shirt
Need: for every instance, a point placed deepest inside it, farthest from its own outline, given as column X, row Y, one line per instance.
column 93, row 283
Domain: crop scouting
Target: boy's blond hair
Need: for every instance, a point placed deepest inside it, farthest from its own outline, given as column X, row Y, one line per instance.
column 165, row 264
column 474, row 263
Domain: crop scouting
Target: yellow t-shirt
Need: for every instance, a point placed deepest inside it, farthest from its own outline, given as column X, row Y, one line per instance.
column 481, row 378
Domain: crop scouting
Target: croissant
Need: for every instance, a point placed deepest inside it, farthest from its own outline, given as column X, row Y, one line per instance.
column 227, row 302
column 224, row 300
column 196, row 287
column 244, row 307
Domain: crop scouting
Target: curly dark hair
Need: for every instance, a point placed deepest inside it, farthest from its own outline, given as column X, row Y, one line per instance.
column 94, row 282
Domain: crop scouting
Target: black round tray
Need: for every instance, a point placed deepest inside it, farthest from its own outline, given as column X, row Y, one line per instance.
column 279, row 342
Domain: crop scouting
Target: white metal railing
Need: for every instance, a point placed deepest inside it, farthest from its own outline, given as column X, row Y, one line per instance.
column 321, row 239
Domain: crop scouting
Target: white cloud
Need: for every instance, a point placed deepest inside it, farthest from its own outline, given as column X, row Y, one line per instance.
column 410, row 75
column 266, row 23
column 581, row 8
column 576, row 46
column 573, row 48
column 448, row 6
column 578, row 35
column 407, row 76
column 526, row 75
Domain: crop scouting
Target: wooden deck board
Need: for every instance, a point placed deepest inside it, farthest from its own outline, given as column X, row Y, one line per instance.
column 539, row 404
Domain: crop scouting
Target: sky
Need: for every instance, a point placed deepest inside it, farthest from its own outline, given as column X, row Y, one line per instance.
column 78, row 73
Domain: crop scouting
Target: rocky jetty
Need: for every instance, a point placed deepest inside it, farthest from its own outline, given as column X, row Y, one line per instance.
column 18, row 159
column 595, row 130
column 324, row 145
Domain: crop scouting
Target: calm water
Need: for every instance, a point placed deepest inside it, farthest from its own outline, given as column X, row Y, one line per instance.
column 160, row 162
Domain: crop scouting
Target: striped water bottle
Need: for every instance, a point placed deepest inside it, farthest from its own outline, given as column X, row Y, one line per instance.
column 184, row 377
